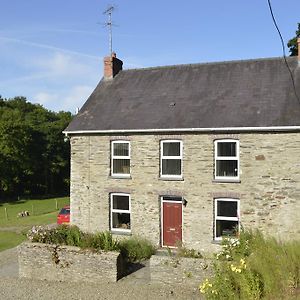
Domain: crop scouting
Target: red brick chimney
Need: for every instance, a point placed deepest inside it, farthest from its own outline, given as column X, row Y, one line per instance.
column 112, row 66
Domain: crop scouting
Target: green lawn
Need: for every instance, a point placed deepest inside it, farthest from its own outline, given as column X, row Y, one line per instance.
column 42, row 212
column 10, row 239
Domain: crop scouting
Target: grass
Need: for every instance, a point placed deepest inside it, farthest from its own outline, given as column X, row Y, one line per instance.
column 10, row 239
column 42, row 212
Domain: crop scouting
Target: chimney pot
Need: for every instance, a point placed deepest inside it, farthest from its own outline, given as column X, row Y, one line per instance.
column 112, row 66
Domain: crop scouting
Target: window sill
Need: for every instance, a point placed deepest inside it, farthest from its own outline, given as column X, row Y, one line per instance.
column 226, row 180
column 116, row 232
column 171, row 178
column 120, row 177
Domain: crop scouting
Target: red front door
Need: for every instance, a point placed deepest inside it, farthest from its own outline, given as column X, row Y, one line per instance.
column 171, row 223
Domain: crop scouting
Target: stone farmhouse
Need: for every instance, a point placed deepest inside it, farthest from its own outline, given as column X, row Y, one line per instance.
column 189, row 153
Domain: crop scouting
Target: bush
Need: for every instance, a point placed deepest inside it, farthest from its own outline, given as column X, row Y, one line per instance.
column 254, row 267
column 136, row 249
column 100, row 241
column 73, row 236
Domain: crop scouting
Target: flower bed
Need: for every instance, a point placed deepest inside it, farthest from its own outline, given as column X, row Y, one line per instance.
column 66, row 253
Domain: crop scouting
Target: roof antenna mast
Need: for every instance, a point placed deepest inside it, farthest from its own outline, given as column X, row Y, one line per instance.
column 109, row 24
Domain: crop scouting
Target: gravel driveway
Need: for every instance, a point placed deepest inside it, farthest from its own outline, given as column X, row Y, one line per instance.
column 134, row 286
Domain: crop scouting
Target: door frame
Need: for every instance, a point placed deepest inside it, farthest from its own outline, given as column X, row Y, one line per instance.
column 162, row 201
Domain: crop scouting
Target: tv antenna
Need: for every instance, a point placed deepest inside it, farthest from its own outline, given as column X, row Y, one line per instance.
column 109, row 24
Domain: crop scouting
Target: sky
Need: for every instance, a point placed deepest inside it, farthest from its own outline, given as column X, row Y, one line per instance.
column 51, row 51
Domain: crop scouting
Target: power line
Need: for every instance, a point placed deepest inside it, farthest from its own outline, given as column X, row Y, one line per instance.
column 283, row 50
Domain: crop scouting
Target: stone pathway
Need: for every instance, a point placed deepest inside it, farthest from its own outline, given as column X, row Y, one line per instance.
column 9, row 265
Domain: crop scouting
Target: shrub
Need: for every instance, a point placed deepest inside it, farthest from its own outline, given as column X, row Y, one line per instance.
column 100, row 241
column 254, row 267
column 38, row 234
column 73, row 236
column 136, row 249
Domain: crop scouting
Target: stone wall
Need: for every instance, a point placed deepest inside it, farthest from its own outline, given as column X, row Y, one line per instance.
column 65, row 263
column 269, row 187
column 179, row 270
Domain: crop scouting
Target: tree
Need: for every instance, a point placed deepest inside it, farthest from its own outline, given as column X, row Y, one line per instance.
column 292, row 43
column 34, row 159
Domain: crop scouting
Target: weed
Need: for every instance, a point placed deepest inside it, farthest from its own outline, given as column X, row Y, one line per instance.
column 254, row 267
column 183, row 251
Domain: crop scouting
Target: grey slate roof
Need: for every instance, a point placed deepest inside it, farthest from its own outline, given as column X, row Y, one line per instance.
column 250, row 93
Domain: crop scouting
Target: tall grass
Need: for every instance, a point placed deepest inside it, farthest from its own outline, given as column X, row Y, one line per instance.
column 255, row 267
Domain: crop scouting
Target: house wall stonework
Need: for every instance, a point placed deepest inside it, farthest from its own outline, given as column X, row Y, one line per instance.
column 269, row 187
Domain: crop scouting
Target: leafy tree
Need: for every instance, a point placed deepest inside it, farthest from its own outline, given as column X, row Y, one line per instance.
column 292, row 43
column 34, row 159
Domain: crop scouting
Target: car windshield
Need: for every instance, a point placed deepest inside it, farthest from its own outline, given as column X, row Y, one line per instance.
column 65, row 211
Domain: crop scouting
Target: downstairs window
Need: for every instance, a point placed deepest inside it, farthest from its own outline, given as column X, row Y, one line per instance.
column 120, row 209
column 226, row 218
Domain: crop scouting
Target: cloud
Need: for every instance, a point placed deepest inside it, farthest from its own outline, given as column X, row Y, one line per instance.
column 76, row 97
column 68, row 100
column 45, row 46
column 45, row 98
column 61, row 64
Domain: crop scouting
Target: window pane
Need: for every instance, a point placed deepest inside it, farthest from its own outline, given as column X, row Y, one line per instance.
column 171, row 149
column 121, row 220
column 121, row 166
column 226, row 228
column 227, row 208
column 121, row 149
column 227, row 168
column 120, row 202
column 171, row 167
column 226, row 148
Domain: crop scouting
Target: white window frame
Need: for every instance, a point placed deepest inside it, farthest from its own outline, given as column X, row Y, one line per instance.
column 237, row 158
column 112, row 210
column 171, row 157
column 120, row 157
column 223, row 218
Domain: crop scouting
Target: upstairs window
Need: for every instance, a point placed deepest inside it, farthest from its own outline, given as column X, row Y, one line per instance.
column 171, row 159
column 120, row 209
column 226, row 218
column 227, row 159
column 120, row 159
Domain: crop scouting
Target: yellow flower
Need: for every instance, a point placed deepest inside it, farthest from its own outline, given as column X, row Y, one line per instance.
column 205, row 286
column 233, row 268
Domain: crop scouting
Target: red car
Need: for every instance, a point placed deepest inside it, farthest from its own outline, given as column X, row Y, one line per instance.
column 64, row 215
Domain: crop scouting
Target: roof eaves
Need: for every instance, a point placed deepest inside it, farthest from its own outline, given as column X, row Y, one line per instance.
column 220, row 129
